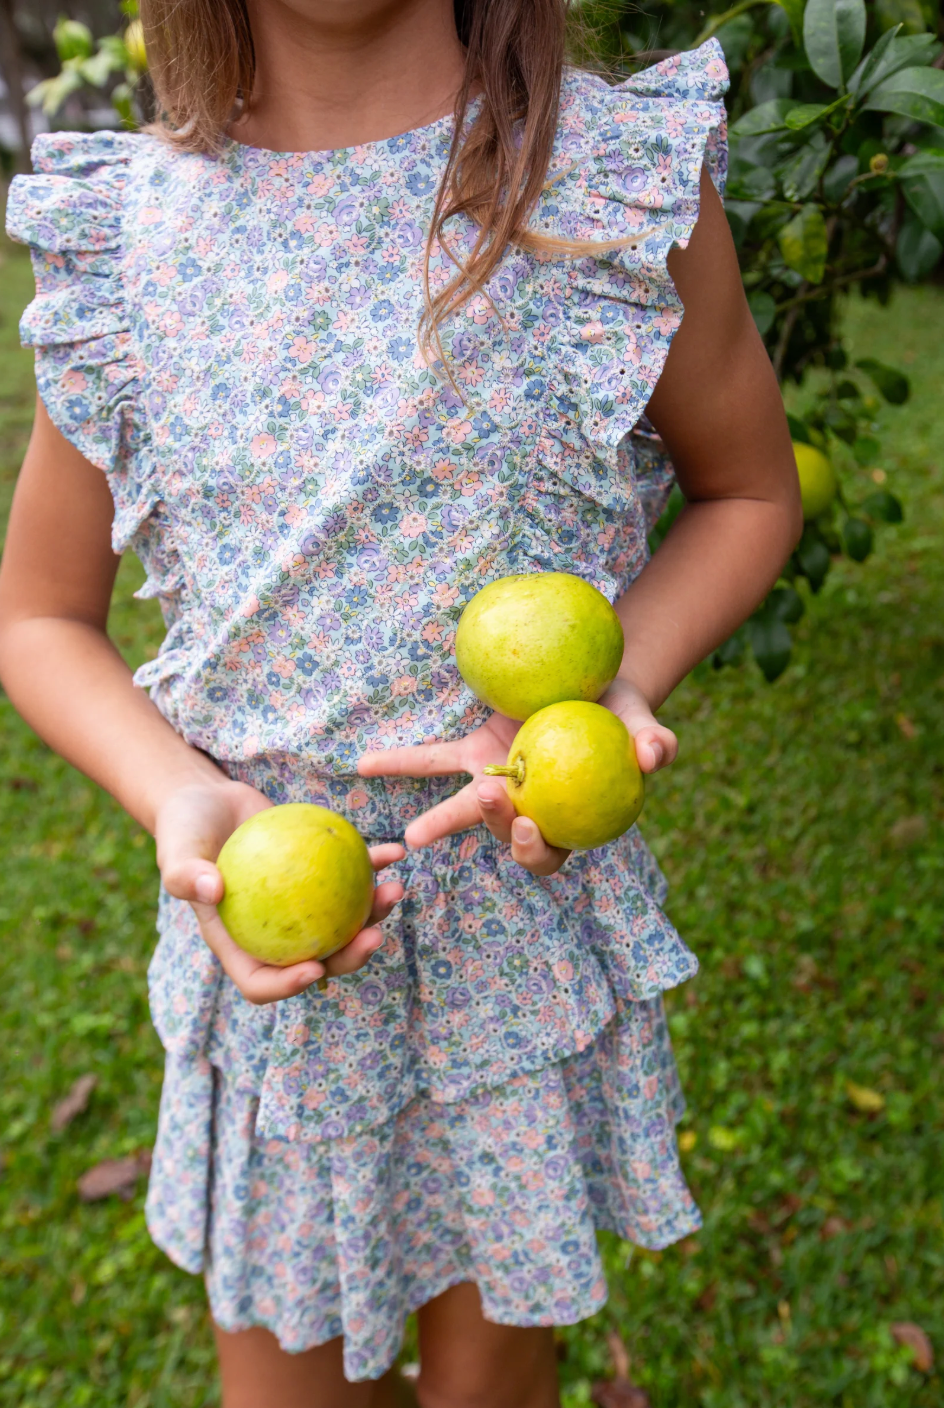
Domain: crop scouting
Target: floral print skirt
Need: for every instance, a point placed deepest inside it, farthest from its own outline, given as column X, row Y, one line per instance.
column 506, row 1188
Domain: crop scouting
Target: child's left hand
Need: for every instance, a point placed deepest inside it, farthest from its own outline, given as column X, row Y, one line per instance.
column 485, row 800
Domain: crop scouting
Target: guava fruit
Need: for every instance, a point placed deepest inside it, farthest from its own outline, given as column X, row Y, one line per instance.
column 528, row 641
column 299, row 883
column 817, row 479
column 572, row 769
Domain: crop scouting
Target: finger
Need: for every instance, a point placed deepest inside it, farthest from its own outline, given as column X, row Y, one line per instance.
column 456, row 813
column 354, row 955
column 385, row 897
column 192, row 879
column 497, row 809
column 656, row 747
column 387, row 854
column 258, row 982
column 425, row 760
column 529, row 848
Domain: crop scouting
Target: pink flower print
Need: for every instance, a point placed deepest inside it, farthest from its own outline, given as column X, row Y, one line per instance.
column 666, row 323
column 165, row 274
column 471, row 374
column 150, row 215
column 403, row 685
column 457, row 431
column 340, row 411
column 416, row 436
column 73, row 381
column 298, row 1034
column 302, row 349
column 432, row 632
column 346, row 319
column 650, row 1087
column 319, row 186
column 251, row 746
column 485, row 1198
column 357, row 798
column 479, row 309
column 291, row 388
column 326, row 235
column 312, row 401
column 276, row 281
column 347, row 669
column 593, row 332
column 470, row 924
column 443, row 470
column 171, row 323
column 249, row 607
column 283, row 666
column 468, row 481
column 563, row 970
column 263, row 445
column 499, row 399
column 445, row 595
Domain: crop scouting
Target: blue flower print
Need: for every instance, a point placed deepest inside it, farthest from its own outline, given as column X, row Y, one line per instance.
column 385, row 513
column 420, row 183
column 401, row 348
column 382, row 310
column 188, row 269
column 357, row 597
column 307, row 663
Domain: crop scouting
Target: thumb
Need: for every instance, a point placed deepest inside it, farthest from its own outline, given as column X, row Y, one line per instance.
column 193, row 879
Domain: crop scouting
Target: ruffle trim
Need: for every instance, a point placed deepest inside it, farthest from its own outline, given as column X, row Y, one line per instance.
column 632, row 173
column 506, row 1188
column 70, row 213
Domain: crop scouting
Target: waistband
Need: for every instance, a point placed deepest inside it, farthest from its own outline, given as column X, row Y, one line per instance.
column 379, row 807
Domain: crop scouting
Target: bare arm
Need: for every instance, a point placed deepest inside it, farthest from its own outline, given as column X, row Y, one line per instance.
column 718, row 409
column 68, row 681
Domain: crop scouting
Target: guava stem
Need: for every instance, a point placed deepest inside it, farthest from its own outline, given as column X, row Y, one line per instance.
column 322, row 985
column 517, row 771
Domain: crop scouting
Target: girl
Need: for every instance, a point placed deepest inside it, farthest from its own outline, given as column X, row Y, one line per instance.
column 367, row 321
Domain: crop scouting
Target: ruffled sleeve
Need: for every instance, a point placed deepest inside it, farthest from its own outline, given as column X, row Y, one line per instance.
column 629, row 160
column 70, row 213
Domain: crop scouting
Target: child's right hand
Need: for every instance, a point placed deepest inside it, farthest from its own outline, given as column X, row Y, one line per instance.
column 190, row 829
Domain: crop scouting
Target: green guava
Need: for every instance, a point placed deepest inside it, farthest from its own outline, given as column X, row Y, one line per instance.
column 572, row 769
column 528, row 641
column 299, row 883
column 817, row 479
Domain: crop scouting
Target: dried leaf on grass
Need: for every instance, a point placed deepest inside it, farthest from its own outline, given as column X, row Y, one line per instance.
column 869, row 1102
column 907, row 830
column 117, row 1176
column 75, row 1103
column 906, row 1332
column 833, row 1227
column 620, row 1391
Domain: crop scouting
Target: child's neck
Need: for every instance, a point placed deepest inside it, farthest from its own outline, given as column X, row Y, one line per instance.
column 335, row 73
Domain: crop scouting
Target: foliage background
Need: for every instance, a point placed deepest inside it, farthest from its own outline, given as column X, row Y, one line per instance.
column 801, row 831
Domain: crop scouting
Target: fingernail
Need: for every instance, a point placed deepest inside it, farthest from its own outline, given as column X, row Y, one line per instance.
column 487, row 802
column 522, row 830
column 205, row 889
column 657, row 752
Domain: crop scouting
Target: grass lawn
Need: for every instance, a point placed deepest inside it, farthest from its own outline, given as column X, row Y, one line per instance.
column 802, row 834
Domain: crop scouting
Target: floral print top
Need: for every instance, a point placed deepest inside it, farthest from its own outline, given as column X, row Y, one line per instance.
column 233, row 339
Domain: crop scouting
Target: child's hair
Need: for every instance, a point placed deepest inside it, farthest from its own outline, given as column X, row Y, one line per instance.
column 202, row 65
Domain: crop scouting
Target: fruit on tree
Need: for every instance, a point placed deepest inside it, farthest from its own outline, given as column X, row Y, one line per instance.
column 299, row 883
column 572, row 769
column 818, row 485
column 528, row 641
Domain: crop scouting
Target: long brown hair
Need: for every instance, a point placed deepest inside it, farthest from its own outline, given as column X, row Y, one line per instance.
column 202, row 65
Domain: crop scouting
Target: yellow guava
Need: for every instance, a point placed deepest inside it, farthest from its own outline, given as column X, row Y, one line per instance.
column 817, row 479
column 299, row 883
column 572, row 769
column 528, row 641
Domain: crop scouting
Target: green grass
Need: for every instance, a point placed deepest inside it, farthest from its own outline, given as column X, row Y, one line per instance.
column 817, row 918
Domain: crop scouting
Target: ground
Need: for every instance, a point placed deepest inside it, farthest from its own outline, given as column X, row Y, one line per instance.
column 801, row 831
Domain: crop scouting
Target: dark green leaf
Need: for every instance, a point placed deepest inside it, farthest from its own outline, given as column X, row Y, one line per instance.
column 805, row 114
column 730, row 652
column 763, row 310
column 866, row 449
column 813, row 558
column 884, row 506
column 794, row 13
column 803, row 243
column 740, row 213
column 771, row 644
column 916, row 249
column 922, row 180
column 841, row 423
column 892, row 53
column 673, row 507
column 848, row 391
column 836, row 359
column 800, row 175
column 833, row 36
column 784, row 604
column 857, row 539
column 912, row 15
column 837, row 178
column 917, row 93
column 766, row 117
column 888, row 381
column 799, row 430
